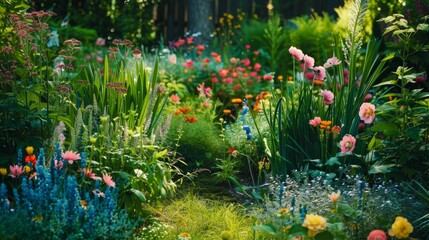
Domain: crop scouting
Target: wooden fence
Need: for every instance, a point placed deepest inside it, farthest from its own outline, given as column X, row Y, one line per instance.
column 172, row 15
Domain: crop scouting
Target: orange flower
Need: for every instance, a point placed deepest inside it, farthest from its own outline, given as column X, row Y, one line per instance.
column 325, row 125
column 227, row 111
column 318, row 82
column 184, row 110
column 249, row 96
column 191, row 119
column 236, row 100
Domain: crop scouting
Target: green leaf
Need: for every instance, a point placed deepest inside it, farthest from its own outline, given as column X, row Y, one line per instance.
column 345, row 209
column 332, row 161
column 390, row 82
column 423, row 27
column 324, row 236
column 374, row 143
column 267, row 228
column 388, row 128
column 381, row 168
column 414, row 133
column 139, row 195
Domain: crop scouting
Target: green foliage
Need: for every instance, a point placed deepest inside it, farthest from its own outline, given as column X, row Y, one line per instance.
column 205, row 219
column 199, row 145
column 402, row 133
column 314, row 33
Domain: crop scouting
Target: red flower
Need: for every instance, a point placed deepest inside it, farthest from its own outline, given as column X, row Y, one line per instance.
column 231, row 150
column 31, row 158
column 377, row 235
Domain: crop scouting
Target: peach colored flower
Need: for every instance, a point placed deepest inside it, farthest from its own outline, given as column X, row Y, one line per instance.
column 331, row 62
column 377, row 235
column 172, row 58
column 328, row 97
column 334, row 197
column 296, row 53
column 108, row 180
column 70, row 156
column 16, row 171
column 174, row 98
column 347, row 144
column 88, row 172
column 367, row 112
column 315, row 122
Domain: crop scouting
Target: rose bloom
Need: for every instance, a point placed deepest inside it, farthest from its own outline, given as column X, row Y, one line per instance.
column 347, row 144
column 377, row 235
column 328, row 97
column 314, row 223
column 296, row 53
column 367, row 112
column 401, row 228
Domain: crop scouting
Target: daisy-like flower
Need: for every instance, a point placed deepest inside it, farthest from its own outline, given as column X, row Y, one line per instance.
column 88, row 172
column 331, row 62
column 108, row 180
column 184, row 236
column 98, row 193
column 70, row 156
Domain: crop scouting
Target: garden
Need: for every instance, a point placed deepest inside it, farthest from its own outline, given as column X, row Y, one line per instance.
column 310, row 127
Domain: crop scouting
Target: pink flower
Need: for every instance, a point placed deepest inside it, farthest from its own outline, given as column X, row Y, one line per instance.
column 377, row 235
column 215, row 80
column 328, row 97
column 189, row 64
column 331, row 62
column 100, row 42
column 268, row 77
column 245, row 62
column 257, row 67
column 108, row 180
column 172, row 58
column 90, row 174
column 347, row 144
column 58, row 164
column 204, row 91
column 223, row 72
column 368, row 97
column 367, row 113
column 247, row 46
column 253, row 74
column 296, row 53
column 309, row 76
column 16, row 171
column 174, row 98
column 70, row 156
column 227, row 80
column 309, row 62
column 320, row 73
column 315, row 122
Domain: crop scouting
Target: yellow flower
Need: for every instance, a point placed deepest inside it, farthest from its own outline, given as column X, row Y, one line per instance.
column 314, row 223
column 184, row 236
column 27, row 169
column 92, row 140
column 282, row 212
column 401, row 228
column 334, row 197
column 29, row 150
column 3, row 171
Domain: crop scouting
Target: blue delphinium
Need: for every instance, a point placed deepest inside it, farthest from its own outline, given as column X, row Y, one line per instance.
column 53, row 204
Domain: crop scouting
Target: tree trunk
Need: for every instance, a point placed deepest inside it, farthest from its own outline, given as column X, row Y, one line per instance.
column 199, row 12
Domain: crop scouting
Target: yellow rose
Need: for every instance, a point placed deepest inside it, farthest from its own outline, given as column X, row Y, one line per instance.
column 401, row 228
column 314, row 223
column 3, row 171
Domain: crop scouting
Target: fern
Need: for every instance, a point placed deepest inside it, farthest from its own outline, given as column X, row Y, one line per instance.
column 353, row 40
